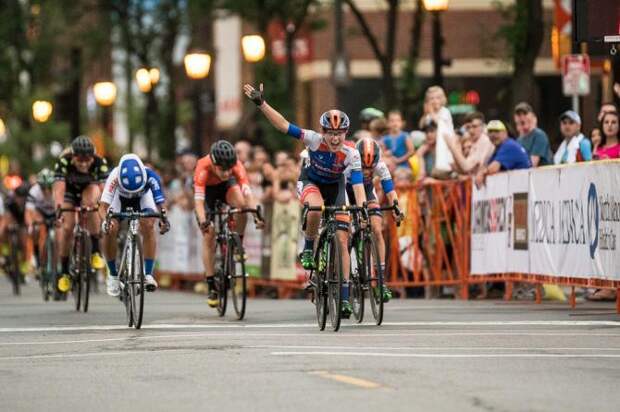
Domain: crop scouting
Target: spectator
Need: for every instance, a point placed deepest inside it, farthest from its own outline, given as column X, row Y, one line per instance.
column 534, row 140
column 606, row 108
column 595, row 138
column 481, row 147
column 609, row 147
column 397, row 142
column 575, row 147
column 243, row 149
column 508, row 155
column 426, row 153
column 435, row 109
column 181, row 189
column 378, row 128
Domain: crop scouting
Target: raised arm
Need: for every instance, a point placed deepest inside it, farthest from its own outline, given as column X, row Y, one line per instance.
column 275, row 118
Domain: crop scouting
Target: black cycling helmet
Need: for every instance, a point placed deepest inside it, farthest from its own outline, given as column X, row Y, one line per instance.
column 82, row 146
column 223, row 154
column 22, row 190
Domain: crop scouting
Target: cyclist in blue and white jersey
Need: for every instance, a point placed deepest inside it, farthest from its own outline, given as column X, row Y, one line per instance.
column 322, row 181
column 131, row 185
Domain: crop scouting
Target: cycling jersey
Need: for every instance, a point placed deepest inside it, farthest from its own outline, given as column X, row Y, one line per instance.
column 76, row 181
column 37, row 199
column 16, row 210
column 204, row 176
column 381, row 171
column 323, row 165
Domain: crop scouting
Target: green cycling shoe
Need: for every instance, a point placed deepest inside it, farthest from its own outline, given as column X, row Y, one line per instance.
column 307, row 259
column 346, row 309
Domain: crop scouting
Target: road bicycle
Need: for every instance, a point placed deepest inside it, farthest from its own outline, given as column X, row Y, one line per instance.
column 230, row 258
column 326, row 278
column 82, row 274
column 366, row 270
column 131, row 269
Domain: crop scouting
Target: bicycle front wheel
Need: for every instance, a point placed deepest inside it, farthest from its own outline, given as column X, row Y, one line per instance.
column 76, row 272
column 221, row 282
column 374, row 275
column 136, row 284
column 237, row 276
column 85, row 272
column 334, row 282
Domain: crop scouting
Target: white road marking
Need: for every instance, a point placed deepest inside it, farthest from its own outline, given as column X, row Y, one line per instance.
column 378, row 334
column 431, row 348
column 562, row 323
column 89, row 354
column 447, row 355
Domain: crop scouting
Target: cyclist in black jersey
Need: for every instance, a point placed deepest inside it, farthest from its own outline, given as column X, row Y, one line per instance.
column 79, row 176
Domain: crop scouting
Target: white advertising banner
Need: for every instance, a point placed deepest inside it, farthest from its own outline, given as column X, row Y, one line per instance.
column 550, row 221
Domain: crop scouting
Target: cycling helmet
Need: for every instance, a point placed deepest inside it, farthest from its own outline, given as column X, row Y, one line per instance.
column 223, row 154
column 22, row 190
column 335, row 120
column 369, row 152
column 131, row 173
column 45, row 178
column 369, row 114
column 82, row 146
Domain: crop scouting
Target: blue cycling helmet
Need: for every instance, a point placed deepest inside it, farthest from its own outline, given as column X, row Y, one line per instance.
column 335, row 120
column 132, row 173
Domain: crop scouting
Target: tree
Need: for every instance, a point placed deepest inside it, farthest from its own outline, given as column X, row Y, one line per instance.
column 523, row 35
column 386, row 55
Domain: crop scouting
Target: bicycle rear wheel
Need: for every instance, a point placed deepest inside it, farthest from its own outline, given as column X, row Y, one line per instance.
column 86, row 270
column 334, row 282
column 237, row 276
column 320, row 286
column 357, row 282
column 221, row 282
column 375, row 278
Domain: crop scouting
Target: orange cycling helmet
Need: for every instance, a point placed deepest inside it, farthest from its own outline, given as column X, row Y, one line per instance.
column 369, row 152
column 335, row 120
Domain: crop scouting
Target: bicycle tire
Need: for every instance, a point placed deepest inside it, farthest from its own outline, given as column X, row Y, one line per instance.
column 237, row 276
column 320, row 287
column 221, row 283
column 375, row 278
column 138, row 277
column 46, row 268
column 14, row 274
column 86, row 269
column 357, row 283
column 334, row 282
column 75, row 272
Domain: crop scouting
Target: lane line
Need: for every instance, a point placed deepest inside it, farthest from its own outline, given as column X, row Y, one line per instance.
column 431, row 348
column 446, row 355
column 350, row 380
column 90, row 354
column 564, row 323
column 314, row 335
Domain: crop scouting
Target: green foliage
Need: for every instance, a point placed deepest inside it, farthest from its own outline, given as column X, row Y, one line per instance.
column 513, row 32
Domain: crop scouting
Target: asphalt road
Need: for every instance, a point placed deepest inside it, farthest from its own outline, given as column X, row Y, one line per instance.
column 435, row 355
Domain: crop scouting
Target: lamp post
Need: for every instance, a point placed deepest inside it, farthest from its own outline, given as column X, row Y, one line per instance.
column 41, row 111
column 197, row 66
column 147, row 79
column 340, row 65
column 105, row 95
column 436, row 7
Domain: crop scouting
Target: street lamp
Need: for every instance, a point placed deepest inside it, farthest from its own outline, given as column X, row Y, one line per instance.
column 197, row 65
column 253, row 48
column 436, row 7
column 41, row 111
column 105, row 93
column 147, row 79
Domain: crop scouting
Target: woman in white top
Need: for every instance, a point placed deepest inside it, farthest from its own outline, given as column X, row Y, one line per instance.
column 435, row 109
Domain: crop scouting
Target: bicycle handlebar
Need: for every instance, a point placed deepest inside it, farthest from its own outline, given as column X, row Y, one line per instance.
column 134, row 215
